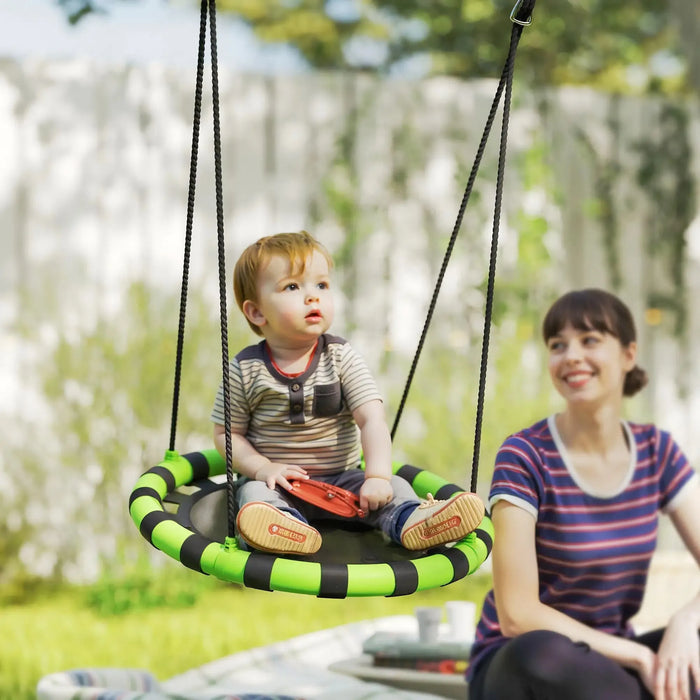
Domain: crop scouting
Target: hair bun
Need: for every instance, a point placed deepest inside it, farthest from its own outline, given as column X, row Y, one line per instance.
column 635, row 380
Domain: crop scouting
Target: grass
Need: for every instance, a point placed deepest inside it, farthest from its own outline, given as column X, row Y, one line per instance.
column 64, row 630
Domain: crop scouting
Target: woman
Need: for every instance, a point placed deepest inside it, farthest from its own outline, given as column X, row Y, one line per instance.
column 575, row 501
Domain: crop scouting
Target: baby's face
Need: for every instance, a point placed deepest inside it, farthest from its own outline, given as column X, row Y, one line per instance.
column 293, row 304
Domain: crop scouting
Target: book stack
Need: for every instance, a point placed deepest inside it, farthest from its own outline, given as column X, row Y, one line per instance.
column 400, row 651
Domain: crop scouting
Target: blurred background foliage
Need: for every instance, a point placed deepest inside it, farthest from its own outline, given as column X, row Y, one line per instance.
column 615, row 45
column 110, row 387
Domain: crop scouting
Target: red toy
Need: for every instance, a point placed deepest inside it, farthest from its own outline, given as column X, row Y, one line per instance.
column 327, row 496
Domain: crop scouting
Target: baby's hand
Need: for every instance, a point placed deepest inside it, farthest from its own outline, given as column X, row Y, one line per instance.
column 375, row 493
column 277, row 473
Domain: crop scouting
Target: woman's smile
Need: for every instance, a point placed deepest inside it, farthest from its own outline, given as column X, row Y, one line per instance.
column 577, row 379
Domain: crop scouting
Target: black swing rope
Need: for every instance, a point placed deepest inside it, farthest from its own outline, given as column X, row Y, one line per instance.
column 188, row 226
column 207, row 7
column 520, row 17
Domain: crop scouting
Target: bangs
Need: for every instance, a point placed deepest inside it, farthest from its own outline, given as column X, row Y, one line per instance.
column 585, row 310
column 296, row 247
column 297, row 259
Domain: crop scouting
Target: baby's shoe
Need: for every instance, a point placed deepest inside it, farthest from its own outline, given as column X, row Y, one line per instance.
column 269, row 529
column 438, row 522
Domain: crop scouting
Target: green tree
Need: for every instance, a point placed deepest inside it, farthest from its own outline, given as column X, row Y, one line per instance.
column 593, row 42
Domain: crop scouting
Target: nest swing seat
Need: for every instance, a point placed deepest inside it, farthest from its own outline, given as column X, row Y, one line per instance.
column 182, row 506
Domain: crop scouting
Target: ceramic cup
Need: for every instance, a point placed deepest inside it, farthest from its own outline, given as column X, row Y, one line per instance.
column 460, row 619
column 429, row 619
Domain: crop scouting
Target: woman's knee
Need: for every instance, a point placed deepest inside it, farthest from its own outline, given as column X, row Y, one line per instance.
column 535, row 658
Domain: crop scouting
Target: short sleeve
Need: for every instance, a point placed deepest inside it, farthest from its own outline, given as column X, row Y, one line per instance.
column 676, row 471
column 517, row 475
column 357, row 382
column 240, row 411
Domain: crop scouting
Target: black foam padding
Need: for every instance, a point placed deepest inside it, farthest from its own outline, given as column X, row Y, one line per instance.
column 406, row 576
column 149, row 522
column 485, row 538
column 144, row 491
column 447, row 491
column 459, row 561
column 192, row 550
column 408, row 472
column 334, row 581
column 200, row 466
column 258, row 571
column 165, row 474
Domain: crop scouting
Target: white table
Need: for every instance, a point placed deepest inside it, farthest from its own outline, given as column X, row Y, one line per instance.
column 445, row 685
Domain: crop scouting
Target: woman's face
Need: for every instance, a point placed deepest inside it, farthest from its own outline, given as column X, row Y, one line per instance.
column 589, row 365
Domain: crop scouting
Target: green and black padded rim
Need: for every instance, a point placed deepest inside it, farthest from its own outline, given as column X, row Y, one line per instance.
column 181, row 510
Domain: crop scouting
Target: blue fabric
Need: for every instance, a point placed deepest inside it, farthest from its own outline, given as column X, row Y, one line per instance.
column 389, row 519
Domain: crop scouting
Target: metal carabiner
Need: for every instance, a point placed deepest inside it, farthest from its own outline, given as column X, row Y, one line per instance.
column 514, row 12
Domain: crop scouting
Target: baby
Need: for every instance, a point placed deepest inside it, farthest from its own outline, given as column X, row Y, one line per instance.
column 304, row 404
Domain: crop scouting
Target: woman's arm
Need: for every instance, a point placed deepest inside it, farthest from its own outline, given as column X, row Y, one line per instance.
column 516, row 588
column 679, row 652
column 686, row 518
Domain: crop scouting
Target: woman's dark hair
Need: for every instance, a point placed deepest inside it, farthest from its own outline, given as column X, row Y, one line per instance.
column 596, row 309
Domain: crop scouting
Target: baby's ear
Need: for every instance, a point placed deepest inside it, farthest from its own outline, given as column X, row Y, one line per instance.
column 252, row 312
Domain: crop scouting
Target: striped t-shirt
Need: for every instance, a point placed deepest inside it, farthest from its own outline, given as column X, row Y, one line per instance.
column 304, row 419
column 593, row 551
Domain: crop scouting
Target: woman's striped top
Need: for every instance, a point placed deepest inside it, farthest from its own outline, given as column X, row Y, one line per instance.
column 593, row 550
